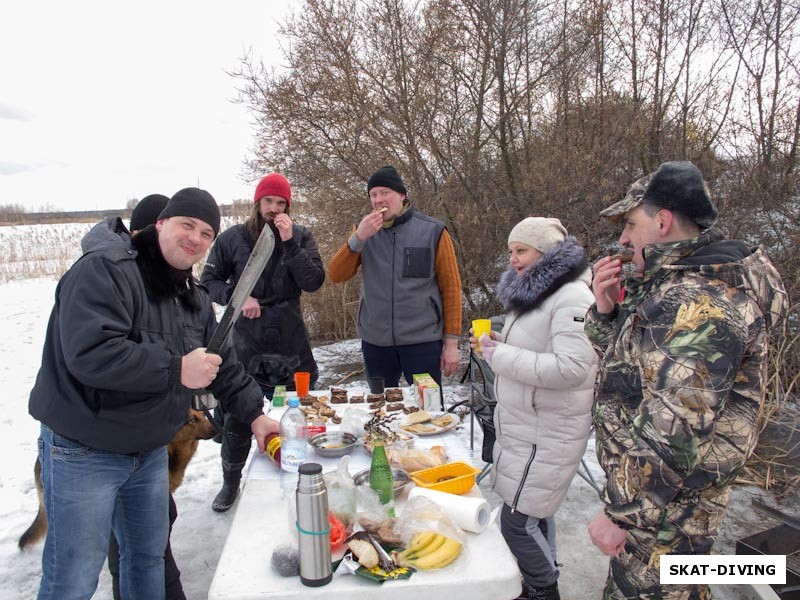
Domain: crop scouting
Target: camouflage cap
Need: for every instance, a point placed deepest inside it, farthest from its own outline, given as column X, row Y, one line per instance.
column 678, row 186
column 632, row 199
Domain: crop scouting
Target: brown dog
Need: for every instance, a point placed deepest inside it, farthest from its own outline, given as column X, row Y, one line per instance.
column 180, row 450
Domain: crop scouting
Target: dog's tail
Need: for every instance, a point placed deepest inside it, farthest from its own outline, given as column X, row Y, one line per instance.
column 38, row 528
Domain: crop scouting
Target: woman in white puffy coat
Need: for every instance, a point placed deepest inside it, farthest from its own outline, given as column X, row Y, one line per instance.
column 545, row 369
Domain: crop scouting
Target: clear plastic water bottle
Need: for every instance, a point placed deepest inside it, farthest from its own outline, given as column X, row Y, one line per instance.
column 294, row 437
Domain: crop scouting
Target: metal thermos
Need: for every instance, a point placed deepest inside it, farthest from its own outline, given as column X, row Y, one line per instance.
column 313, row 526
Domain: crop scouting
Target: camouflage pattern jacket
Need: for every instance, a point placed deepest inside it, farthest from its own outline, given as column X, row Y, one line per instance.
column 682, row 377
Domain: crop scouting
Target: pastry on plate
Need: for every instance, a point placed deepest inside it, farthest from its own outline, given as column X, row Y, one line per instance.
column 420, row 428
column 421, row 416
column 444, row 421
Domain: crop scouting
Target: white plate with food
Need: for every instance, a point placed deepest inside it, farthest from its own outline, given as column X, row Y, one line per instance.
column 425, row 422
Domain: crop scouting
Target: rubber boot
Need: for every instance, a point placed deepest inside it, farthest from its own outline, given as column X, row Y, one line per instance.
column 233, row 455
column 230, row 490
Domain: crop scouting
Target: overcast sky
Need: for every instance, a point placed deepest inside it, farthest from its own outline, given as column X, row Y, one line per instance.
column 103, row 101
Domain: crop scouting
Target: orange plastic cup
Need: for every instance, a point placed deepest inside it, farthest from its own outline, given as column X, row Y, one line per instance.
column 479, row 327
column 302, row 379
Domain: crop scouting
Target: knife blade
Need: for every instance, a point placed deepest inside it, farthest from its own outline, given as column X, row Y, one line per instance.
column 259, row 258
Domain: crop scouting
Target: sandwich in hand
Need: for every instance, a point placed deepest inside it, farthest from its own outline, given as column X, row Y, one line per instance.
column 623, row 257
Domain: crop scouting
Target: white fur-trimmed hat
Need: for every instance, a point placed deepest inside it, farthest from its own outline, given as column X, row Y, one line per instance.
column 541, row 233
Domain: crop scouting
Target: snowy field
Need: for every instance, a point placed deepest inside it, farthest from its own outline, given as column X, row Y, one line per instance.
column 199, row 533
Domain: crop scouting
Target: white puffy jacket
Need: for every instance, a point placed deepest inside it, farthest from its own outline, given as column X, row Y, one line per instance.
column 545, row 371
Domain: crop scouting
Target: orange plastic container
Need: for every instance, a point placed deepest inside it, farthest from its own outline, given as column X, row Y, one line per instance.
column 453, row 478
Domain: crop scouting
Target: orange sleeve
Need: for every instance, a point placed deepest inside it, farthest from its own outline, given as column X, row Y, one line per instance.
column 449, row 280
column 344, row 264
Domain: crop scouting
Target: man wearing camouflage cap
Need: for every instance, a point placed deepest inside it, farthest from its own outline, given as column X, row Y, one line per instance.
column 683, row 373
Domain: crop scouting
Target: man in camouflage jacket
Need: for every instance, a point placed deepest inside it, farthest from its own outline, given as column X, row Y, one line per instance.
column 683, row 374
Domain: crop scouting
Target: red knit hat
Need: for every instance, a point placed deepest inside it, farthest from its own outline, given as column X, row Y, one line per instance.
column 273, row 184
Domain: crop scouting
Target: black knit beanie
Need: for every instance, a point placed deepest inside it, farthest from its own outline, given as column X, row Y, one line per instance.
column 387, row 177
column 146, row 212
column 678, row 186
column 196, row 203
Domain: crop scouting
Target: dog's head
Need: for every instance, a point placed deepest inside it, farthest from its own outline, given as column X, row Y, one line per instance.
column 197, row 427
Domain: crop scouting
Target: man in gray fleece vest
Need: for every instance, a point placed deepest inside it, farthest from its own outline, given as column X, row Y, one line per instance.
column 409, row 317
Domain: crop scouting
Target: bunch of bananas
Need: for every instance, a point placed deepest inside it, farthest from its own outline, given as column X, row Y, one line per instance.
column 428, row 550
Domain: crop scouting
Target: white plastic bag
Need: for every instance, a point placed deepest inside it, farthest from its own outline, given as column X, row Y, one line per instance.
column 353, row 421
column 341, row 492
column 421, row 514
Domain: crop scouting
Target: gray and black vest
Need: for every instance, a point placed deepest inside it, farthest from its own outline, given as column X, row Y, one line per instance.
column 400, row 299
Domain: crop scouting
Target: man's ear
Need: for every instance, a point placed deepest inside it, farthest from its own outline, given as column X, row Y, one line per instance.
column 665, row 221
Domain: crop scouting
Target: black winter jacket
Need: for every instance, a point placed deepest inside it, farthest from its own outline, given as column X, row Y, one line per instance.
column 276, row 344
column 122, row 320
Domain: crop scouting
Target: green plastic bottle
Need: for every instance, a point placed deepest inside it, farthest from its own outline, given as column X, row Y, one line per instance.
column 380, row 477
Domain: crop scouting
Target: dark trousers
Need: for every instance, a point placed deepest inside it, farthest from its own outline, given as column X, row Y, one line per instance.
column 172, row 575
column 390, row 362
column 237, row 437
column 532, row 541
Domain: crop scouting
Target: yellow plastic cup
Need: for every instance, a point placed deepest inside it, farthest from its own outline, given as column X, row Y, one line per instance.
column 479, row 327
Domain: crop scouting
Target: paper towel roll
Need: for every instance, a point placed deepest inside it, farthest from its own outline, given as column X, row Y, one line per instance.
column 468, row 512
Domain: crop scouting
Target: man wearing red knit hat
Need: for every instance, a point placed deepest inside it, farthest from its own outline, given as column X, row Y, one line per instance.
column 271, row 338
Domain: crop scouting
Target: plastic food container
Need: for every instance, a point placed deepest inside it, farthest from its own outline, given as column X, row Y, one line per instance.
column 453, row 478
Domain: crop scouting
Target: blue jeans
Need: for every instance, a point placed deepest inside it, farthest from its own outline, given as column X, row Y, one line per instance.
column 87, row 492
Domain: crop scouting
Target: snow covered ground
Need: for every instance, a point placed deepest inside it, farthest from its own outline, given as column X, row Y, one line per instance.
column 199, row 533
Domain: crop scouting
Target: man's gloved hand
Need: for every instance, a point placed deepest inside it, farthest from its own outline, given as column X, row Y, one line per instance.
column 488, row 346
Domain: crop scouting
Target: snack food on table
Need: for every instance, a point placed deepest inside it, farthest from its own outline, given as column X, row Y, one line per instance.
column 420, row 428
column 357, row 399
column 382, row 530
column 394, row 406
column 338, row 395
column 421, row 416
column 323, row 409
column 410, row 409
column 307, row 400
column 413, row 459
column 365, row 553
column 376, row 405
column 444, row 421
column 393, row 394
column 375, row 398
column 319, row 412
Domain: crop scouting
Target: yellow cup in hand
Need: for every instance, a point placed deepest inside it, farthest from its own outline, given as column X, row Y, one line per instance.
column 479, row 327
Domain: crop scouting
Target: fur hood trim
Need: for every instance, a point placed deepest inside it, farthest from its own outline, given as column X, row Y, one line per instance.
column 561, row 264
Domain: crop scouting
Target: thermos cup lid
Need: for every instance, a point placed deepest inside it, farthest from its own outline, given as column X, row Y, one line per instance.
column 310, row 469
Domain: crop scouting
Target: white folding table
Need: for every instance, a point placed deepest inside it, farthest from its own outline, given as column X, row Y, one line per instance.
column 486, row 568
